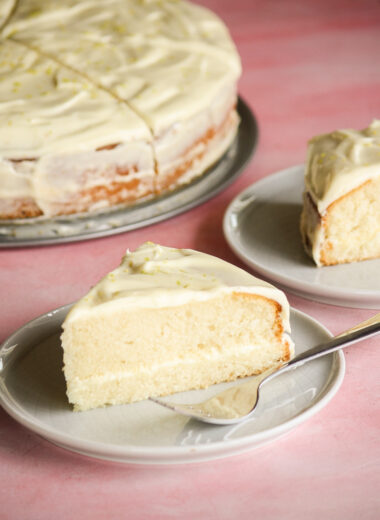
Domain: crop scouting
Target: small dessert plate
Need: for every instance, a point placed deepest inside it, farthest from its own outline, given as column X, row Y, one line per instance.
column 261, row 226
column 32, row 391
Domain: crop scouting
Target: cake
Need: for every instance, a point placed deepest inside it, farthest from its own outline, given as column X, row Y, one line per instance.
column 340, row 220
column 169, row 320
column 109, row 102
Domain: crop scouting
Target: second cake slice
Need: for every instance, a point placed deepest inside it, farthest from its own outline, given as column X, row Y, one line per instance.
column 340, row 221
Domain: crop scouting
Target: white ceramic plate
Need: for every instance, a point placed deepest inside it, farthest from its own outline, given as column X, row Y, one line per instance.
column 261, row 225
column 32, row 391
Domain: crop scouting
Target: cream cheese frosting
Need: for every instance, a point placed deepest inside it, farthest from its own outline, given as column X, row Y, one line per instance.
column 166, row 60
column 6, row 7
column 78, row 76
column 155, row 276
column 341, row 161
column 202, row 357
column 48, row 109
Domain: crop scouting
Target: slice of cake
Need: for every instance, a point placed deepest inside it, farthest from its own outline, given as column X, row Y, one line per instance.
column 340, row 221
column 169, row 320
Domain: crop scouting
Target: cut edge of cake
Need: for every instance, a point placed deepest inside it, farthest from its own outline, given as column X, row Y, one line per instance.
column 169, row 320
column 340, row 218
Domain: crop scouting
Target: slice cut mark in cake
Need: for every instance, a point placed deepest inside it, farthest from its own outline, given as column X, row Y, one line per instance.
column 170, row 70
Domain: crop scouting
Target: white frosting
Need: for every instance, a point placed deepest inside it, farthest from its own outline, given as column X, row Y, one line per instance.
column 167, row 60
column 178, row 141
column 154, row 276
column 317, row 238
column 47, row 109
column 60, row 178
column 201, row 357
column 77, row 76
column 6, row 7
column 340, row 162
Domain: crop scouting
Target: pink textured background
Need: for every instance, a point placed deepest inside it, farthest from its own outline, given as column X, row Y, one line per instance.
column 309, row 67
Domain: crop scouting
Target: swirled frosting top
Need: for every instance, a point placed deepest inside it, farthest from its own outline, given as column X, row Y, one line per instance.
column 158, row 276
column 6, row 7
column 107, row 71
column 340, row 162
column 46, row 108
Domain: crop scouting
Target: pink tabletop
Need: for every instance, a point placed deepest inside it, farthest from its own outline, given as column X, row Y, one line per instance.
column 309, row 67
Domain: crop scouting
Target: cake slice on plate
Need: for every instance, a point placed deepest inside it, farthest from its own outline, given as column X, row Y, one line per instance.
column 169, row 320
column 340, row 221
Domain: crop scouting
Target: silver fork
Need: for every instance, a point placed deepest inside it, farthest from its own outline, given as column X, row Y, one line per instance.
column 239, row 402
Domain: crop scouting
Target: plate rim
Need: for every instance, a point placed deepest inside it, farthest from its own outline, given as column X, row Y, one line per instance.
column 163, row 455
column 247, row 128
column 308, row 290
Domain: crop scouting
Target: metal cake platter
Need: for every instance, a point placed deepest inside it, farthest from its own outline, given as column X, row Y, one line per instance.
column 73, row 228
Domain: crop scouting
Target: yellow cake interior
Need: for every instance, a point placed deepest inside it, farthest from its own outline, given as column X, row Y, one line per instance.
column 350, row 227
column 340, row 220
column 116, row 353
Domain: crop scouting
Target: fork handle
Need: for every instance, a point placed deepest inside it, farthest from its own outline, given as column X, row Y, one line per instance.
column 357, row 333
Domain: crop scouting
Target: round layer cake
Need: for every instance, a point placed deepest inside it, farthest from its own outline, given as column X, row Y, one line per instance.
column 111, row 102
